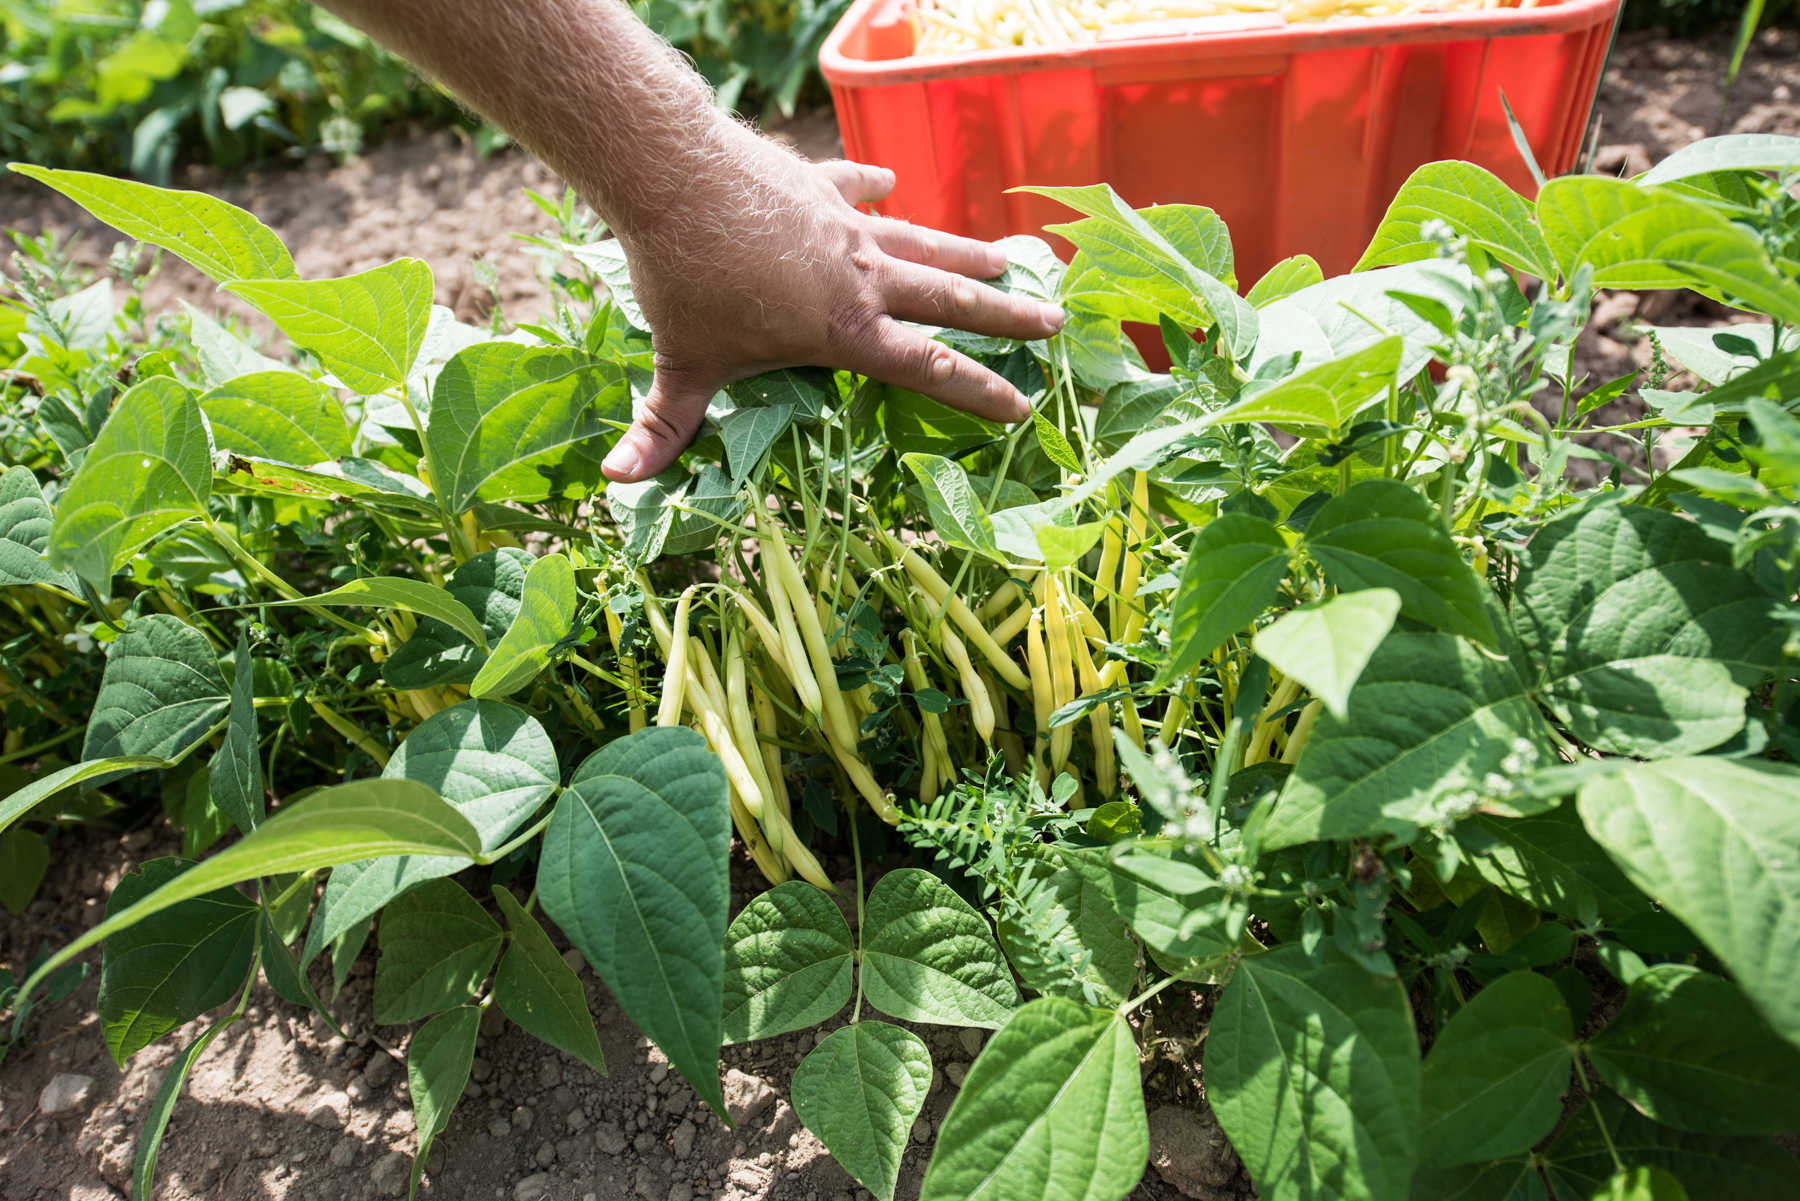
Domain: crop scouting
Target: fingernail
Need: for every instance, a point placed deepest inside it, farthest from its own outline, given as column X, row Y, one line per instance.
column 1022, row 407
column 996, row 258
column 623, row 461
column 1053, row 316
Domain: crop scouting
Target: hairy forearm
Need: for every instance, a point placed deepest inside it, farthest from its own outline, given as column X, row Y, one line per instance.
column 581, row 84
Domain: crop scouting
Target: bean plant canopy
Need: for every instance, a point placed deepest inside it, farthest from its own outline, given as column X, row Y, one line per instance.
column 1344, row 683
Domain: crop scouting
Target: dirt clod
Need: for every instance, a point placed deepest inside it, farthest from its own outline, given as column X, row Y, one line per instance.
column 391, row 1174
column 1189, row 1151
column 66, row 1093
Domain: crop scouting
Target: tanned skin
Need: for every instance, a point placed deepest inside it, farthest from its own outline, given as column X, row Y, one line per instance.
column 744, row 257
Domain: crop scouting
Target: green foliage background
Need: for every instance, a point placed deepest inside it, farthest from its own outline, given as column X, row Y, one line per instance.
column 129, row 87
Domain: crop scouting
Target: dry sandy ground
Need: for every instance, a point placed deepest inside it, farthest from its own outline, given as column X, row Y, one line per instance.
column 280, row 1110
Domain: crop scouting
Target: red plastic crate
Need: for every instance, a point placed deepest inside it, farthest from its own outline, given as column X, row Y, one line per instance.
column 1298, row 135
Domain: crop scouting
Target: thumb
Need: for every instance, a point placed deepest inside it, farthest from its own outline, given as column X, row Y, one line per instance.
column 663, row 428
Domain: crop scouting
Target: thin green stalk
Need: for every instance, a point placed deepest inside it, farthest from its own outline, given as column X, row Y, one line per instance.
column 856, row 853
column 28, row 752
column 288, row 591
column 505, row 849
column 1138, row 1000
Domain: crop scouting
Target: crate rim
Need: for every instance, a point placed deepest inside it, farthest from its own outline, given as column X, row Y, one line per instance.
column 1565, row 16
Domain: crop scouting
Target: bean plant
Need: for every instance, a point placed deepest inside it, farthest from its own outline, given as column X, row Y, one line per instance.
column 1304, row 680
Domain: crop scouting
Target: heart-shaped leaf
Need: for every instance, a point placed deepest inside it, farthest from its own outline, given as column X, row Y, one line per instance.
column 1313, row 1071
column 220, row 239
column 366, row 329
column 787, row 963
column 150, row 468
column 1327, row 646
column 162, row 691
column 634, row 870
column 437, row 945
column 860, row 1091
column 539, row 990
column 546, row 615
column 174, row 966
column 277, row 415
column 1051, row 1108
column 929, row 957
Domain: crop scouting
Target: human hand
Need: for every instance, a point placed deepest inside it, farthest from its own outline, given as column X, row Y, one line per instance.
column 766, row 263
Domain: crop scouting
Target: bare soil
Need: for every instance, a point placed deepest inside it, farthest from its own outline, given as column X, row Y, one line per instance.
column 280, row 1109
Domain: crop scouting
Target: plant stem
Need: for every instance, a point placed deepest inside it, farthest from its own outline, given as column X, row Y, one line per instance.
column 28, row 752
column 1147, row 994
column 856, row 853
column 503, row 850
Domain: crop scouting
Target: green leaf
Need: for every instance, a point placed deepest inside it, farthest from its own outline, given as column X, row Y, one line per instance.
column 400, row 592
column 1642, row 1184
column 342, row 824
column 748, row 434
column 1502, row 1180
column 1326, row 646
column 161, row 693
column 25, row 519
column 236, row 776
column 808, row 390
column 223, row 355
column 1285, row 278
column 958, row 515
column 546, row 615
column 860, row 1091
column 1430, row 719
column 1157, row 910
column 1550, row 861
column 1494, row 1079
column 1324, row 398
column 1476, row 204
column 23, row 860
column 493, row 762
column 437, row 1071
column 1733, row 152
column 1063, row 546
column 437, row 944
column 1689, row 1051
column 149, row 468
column 928, row 957
column 634, row 869
column 787, row 963
column 1076, row 914
column 513, row 422
column 1350, row 314
column 1234, row 569
column 1643, row 634
column 174, row 966
column 366, row 329
column 279, row 968
column 1052, row 1108
column 1717, row 841
column 541, row 992
column 220, row 239
column 1056, row 447
column 156, row 1121
column 1580, row 1164
column 1650, row 238
column 490, row 585
column 13, row 804
column 277, row 415
column 1383, row 534
column 1313, row 1071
